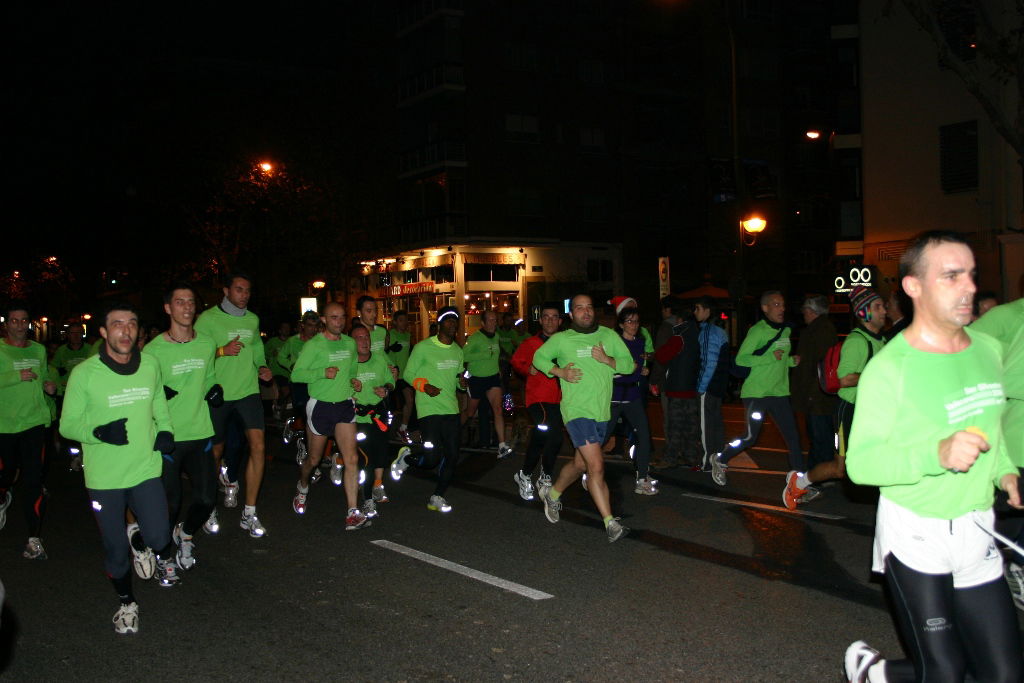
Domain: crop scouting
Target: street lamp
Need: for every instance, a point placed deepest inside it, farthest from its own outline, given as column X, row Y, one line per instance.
column 319, row 284
column 750, row 228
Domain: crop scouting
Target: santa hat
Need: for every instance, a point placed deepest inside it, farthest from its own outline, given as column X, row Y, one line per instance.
column 621, row 302
column 861, row 298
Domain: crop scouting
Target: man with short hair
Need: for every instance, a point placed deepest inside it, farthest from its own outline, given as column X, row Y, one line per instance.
column 860, row 346
column 186, row 360
column 376, row 381
column 70, row 353
column 542, row 403
column 817, row 337
column 289, row 353
column 239, row 366
column 327, row 366
column 24, row 417
column 928, row 433
column 399, row 347
column 712, row 379
column 482, row 353
column 116, row 407
column 766, row 351
column 435, row 372
column 585, row 358
column 366, row 308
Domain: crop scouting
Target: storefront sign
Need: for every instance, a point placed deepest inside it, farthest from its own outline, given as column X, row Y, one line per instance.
column 856, row 275
column 500, row 259
column 426, row 287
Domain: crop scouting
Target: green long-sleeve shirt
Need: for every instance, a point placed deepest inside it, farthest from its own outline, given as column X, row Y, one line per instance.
column 378, row 339
column 853, row 357
column 373, row 373
column 189, row 370
column 440, row 364
column 272, row 349
column 1006, row 324
column 237, row 375
column 97, row 395
column 507, row 340
column 591, row 397
column 909, row 401
column 66, row 358
column 401, row 357
column 22, row 403
column 290, row 351
column 321, row 353
column 768, row 376
column 481, row 353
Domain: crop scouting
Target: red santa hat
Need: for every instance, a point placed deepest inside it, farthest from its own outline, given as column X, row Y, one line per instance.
column 621, row 302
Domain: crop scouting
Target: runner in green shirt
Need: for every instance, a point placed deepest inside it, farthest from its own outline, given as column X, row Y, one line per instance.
column 585, row 358
column 116, row 407
column 72, row 353
column 366, row 307
column 186, row 360
column 377, row 380
column 327, row 365
column 435, row 372
column 927, row 431
column 272, row 348
column 240, row 364
column 24, row 416
column 399, row 347
column 482, row 352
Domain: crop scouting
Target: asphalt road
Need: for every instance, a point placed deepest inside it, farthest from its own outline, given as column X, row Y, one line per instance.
column 711, row 585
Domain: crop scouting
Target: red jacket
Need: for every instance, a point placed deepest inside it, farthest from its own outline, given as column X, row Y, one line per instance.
column 539, row 387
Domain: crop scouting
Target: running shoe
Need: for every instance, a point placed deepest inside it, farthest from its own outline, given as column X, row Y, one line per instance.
column 166, row 573
column 144, row 561
column 3, row 508
column 552, row 508
column 792, row 494
column 439, row 504
column 336, row 470
column 543, row 483
column 212, row 525
column 403, row 434
column 356, row 520
column 251, row 523
column 315, row 475
column 1015, row 579
column 299, row 501
column 184, row 557
column 646, row 486
column 369, row 508
column 288, row 431
column 859, row 658
column 231, row 495
column 126, row 620
column 812, row 493
column 584, row 482
column 380, row 495
column 400, row 465
column 222, row 478
column 300, row 451
column 718, row 469
column 504, row 450
column 34, row 549
column 616, row 530
column 525, row 485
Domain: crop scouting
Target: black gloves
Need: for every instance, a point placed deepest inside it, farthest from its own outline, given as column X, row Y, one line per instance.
column 169, row 393
column 113, row 433
column 164, row 443
column 394, row 348
column 215, row 396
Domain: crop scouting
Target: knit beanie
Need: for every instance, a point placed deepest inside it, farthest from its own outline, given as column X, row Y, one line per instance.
column 860, row 300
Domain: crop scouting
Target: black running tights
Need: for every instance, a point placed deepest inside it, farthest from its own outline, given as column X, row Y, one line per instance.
column 951, row 631
column 194, row 458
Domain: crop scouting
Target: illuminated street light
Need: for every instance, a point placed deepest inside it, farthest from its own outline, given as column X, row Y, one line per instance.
column 319, row 284
column 266, row 167
column 813, row 134
column 754, row 225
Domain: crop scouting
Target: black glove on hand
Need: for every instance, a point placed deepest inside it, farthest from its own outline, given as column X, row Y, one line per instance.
column 394, row 348
column 215, row 396
column 114, row 433
column 169, row 393
column 164, row 443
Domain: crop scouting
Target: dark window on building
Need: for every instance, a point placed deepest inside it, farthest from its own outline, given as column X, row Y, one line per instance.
column 482, row 272
column 522, row 56
column 594, row 207
column 592, row 139
column 524, row 201
column 522, row 128
column 600, row 270
column 592, row 71
column 958, row 157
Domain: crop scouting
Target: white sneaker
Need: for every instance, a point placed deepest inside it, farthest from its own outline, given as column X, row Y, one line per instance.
column 126, row 620
column 543, row 484
column 439, row 504
column 616, row 530
column 646, row 487
column 336, row 470
column 718, row 469
column 251, row 523
column 4, row 504
column 212, row 525
column 525, row 485
column 400, row 465
column 504, row 450
column 231, row 495
column 185, row 559
column 144, row 561
column 379, row 494
column 859, row 658
column 370, row 508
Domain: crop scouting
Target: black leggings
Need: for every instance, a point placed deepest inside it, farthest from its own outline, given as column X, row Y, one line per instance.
column 950, row 631
column 546, row 442
column 25, row 452
column 194, row 458
column 374, row 451
column 442, row 433
column 781, row 411
column 148, row 502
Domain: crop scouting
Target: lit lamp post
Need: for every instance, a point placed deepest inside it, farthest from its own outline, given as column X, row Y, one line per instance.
column 749, row 228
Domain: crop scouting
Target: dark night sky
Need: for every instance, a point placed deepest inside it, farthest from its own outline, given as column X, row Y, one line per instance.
column 126, row 118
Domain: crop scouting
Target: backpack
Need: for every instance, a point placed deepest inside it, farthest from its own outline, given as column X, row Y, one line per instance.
column 828, row 367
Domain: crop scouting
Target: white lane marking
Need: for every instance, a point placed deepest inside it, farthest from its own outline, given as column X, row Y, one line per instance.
column 525, row 591
column 762, row 506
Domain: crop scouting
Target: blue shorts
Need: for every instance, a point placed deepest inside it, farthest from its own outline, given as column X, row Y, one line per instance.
column 479, row 386
column 322, row 416
column 583, row 430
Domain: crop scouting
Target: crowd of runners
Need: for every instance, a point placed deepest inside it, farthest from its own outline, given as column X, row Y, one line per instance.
column 927, row 407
